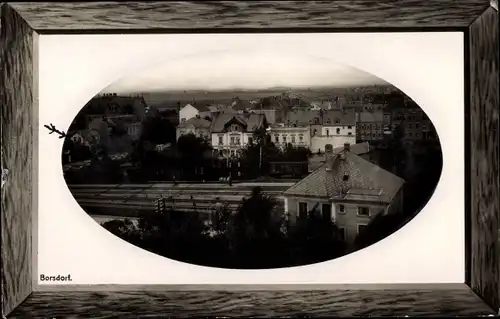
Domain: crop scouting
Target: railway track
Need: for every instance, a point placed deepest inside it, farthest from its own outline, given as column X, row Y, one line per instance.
column 129, row 199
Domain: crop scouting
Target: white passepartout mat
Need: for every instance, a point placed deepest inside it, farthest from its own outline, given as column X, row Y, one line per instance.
column 428, row 67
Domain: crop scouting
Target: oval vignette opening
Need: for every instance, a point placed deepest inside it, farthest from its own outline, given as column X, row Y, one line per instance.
column 252, row 161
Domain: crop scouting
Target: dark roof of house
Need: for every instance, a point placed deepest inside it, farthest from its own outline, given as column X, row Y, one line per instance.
column 196, row 122
column 315, row 161
column 274, row 102
column 363, row 176
column 346, row 117
column 241, row 105
column 199, row 106
column 251, row 121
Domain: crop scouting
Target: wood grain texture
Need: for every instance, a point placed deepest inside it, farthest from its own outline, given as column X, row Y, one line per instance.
column 245, row 14
column 16, row 94
column 485, row 157
column 185, row 304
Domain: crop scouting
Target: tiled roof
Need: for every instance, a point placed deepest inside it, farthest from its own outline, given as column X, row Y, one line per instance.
column 315, row 161
column 200, row 107
column 251, row 122
column 196, row 122
column 363, row 175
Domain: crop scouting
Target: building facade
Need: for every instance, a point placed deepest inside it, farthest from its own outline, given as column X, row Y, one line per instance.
column 346, row 189
column 232, row 132
column 370, row 126
column 192, row 110
column 283, row 134
column 197, row 126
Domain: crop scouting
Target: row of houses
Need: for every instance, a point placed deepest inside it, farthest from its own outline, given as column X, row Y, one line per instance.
column 231, row 128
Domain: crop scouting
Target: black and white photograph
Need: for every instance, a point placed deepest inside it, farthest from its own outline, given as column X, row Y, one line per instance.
column 254, row 165
column 250, row 159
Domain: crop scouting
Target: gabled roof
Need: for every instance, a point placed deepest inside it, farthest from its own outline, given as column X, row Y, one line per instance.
column 362, row 176
column 196, row 122
column 250, row 122
column 198, row 106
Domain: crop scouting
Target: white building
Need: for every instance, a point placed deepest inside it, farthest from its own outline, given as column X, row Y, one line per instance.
column 192, row 110
column 232, row 132
column 197, row 126
column 283, row 134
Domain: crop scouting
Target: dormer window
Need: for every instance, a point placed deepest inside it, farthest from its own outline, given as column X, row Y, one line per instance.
column 346, row 177
column 337, row 121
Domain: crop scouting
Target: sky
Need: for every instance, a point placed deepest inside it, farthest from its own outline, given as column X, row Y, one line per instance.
column 247, row 71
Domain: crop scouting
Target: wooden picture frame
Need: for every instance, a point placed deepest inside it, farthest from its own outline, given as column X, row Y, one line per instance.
column 21, row 23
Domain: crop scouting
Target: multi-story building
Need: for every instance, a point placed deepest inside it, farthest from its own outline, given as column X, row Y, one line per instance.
column 335, row 126
column 191, row 110
column 417, row 126
column 347, row 190
column 370, row 126
column 284, row 134
column 197, row 126
column 232, row 132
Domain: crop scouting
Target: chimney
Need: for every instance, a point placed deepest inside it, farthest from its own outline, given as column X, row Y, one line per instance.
column 347, row 147
column 329, row 157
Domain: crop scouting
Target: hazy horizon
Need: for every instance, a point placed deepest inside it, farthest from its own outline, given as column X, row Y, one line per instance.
column 247, row 72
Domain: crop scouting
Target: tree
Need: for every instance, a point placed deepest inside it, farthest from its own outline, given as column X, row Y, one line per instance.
column 314, row 239
column 157, row 130
column 192, row 150
column 378, row 228
column 255, row 233
column 125, row 229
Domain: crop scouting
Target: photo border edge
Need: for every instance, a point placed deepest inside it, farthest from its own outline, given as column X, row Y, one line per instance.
column 32, row 227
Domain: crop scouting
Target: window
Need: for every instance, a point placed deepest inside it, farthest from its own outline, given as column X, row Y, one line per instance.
column 342, row 233
column 327, row 132
column 302, row 208
column 284, row 138
column 363, row 211
column 237, row 140
column 349, row 127
column 301, row 137
column 346, row 177
column 250, row 140
column 293, row 138
column 349, row 133
column 361, row 228
column 232, row 140
column 326, row 211
column 315, row 132
column 338, row 131
column 341, row 209
column 277, row 138
column 221, row 140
